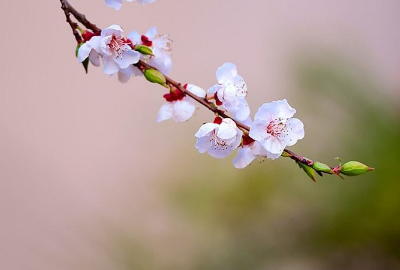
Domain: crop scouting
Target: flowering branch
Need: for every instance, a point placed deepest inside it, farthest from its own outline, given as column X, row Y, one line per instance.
column 134, row 55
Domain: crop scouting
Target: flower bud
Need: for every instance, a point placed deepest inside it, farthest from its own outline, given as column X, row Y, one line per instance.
column 155, row 76
column 321, row 167
column 144, row 50
column 87, row 35
column 353, row 168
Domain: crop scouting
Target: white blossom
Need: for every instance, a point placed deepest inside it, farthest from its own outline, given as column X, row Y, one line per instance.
column 274, row 128
column 160, row 45
column 115, row 50
column 219, row 139
column 179, row 106
column 231, row 91
column 117, row 4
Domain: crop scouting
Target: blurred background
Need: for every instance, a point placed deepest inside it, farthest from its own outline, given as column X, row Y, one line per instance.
column 88, row 180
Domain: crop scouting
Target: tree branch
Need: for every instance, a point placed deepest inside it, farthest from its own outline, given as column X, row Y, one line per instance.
column 81, row 18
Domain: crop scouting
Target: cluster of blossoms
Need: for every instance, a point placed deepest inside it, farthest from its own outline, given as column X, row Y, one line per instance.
column 271, row 131
column 120, row 53
column 117, row 4
column 267, row 136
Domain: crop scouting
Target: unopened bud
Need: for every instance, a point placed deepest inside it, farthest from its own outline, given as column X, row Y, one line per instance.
column 309, row 171
column 87, row 35
column 144, row 50
column 353, row 168
column 321, row 167
column 155, row 76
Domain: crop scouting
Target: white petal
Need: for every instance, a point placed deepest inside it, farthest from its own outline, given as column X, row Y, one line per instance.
column 205, row 129
column 183, row 110
column 213, row 89
column 94, row 42
column 128, row 58
column 110, row 67
column 125, row 74
column 273, row 156
column 272, row 145
column 226, row 73
column 112, row 30
column 162, row 62
column 94, row 58
column 295, row 131
column 151, row 33
column 203, row 144
column 200, row 92
column 116, row 4
column 226, row 132
column 165, row 112
column 243, row 111
column 244, row 158
column 276, row 109
column 135, row 37
column 83, row 52
column 258, row 149
column 258, row 130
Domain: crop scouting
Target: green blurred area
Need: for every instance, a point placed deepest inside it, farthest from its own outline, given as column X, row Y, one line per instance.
column 271, row 216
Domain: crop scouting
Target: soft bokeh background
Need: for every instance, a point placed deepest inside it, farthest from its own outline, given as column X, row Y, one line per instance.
column 88, row 180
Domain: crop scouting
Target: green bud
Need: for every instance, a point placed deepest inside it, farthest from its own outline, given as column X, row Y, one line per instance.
column 353, row 168
column 155, row 76
column 321, row 167
column 144, row 49
column 309, row 171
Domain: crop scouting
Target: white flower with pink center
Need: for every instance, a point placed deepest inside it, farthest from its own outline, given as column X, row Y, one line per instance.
column 179, row 106
column 275, row 129
column 231, row 91
column 219, row 139
column 160, row 45
column 117, row 4
column 115, row 49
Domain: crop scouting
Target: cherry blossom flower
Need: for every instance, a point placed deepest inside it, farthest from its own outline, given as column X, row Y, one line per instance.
column 160, row 45
column 274, row 128
column 117, row 4
column 219, row 139
column 179, row 106
column 115, row 50
column 231, row 91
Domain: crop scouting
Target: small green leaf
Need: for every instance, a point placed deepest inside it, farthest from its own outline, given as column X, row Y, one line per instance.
column 86, row 64
column 309, row 171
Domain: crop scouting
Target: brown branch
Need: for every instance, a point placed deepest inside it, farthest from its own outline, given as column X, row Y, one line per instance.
column 68, row 9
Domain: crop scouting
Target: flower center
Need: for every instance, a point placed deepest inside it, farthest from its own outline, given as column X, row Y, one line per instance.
column 119, row 45
column 218, row 143
column 277, row 128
